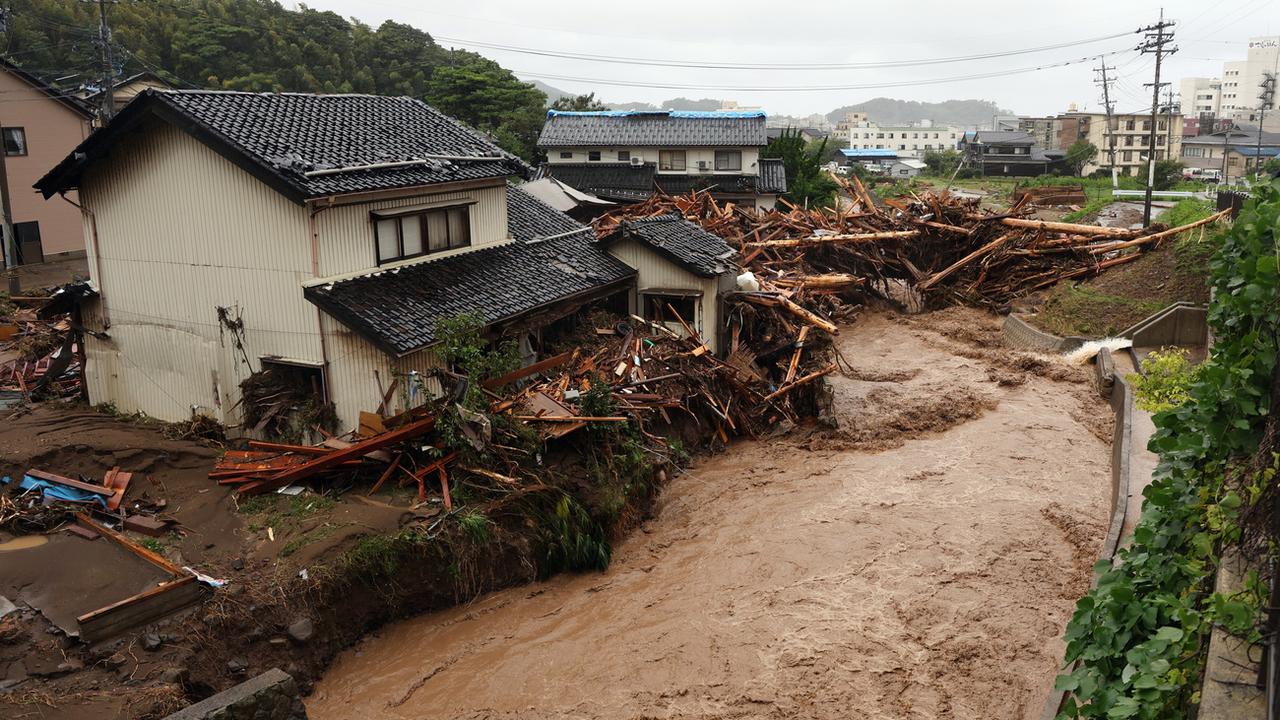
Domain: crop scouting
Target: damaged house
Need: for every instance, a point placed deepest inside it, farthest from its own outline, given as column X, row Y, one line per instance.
column 322, row 236
column 627, row 156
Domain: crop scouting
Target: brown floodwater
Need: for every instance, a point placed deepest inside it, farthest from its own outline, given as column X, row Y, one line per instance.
column 920, row 564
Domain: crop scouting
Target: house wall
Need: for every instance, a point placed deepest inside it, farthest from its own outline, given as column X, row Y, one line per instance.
column 181, row 231
column 53, row 130
column 693, row 155
column 656, row 272
column 346, row 241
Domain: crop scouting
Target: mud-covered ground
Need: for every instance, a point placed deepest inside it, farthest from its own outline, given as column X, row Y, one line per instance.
column 919, row 562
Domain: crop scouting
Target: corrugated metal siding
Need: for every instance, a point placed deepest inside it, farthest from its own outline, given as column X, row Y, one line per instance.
column 656, row 272
column 183, row 231
column 346, row 233
column 356, row 368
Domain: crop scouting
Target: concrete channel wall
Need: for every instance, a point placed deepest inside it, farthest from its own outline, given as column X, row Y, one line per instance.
column 1181, row 323
column 273, row 695
column 1113, row 386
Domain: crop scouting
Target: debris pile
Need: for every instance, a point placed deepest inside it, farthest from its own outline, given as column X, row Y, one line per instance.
column 635, row 371
column 40, row 352
column 939, row 246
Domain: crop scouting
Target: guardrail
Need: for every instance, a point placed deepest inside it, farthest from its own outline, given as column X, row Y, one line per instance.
column 1162, row 193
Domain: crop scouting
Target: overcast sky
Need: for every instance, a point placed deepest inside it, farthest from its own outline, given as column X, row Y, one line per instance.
column 819, row 32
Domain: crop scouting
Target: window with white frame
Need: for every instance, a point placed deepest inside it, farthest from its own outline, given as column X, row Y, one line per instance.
column 421, row 232
column 15, row 141
column 671, row 160
column 728, row 160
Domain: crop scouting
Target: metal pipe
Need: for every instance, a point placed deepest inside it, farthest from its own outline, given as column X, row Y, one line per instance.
column 425, row 159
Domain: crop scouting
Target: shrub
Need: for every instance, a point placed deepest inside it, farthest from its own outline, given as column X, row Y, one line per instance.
column 1165, row 381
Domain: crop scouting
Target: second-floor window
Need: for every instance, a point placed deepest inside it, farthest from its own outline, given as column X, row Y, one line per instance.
column 400, row 237
column 593, row 155
column 728, row 160
column 624, row 156
column 15, row 141
column 671, row 160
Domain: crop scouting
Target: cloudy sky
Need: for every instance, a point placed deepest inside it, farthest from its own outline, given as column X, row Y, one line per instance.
column 765, row 35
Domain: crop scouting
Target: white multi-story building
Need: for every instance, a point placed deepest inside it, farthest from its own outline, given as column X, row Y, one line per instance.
column 1200, row 96
column 910, row 141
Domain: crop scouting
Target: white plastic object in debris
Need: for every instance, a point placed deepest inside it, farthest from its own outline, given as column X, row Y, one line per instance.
column 747, row 281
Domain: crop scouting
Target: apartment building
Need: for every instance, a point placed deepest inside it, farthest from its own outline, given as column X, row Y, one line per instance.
column 1234, row 96
column 1132, row 137
column 910, row 141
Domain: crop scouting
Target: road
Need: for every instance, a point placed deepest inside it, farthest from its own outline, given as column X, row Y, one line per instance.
column 919, row 563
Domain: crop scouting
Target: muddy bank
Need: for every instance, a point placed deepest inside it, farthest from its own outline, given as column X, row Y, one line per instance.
column 898, row 567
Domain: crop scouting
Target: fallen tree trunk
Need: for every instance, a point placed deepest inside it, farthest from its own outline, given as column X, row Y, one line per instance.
column 1062, row 227
column 838, row 238
column 943, row 274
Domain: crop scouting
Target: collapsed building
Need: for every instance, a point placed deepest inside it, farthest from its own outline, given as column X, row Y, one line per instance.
column 324, row 238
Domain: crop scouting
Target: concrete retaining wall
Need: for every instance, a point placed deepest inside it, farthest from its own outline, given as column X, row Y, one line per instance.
column 1021, row 334
column 1113, row 385
column 1179, row 324
column 273, row 695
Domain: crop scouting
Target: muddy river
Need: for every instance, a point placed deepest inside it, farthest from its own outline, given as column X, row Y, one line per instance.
column 920, row 563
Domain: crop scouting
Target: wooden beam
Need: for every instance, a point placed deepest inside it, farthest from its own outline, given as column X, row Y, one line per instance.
column 337, row 457
column 285, row 447
column 131, row 546
column 569, row 418
column 795, row 359
column 145, row 607
column 838, row 238
column 942, row 275
column 1062, row 227
column 77, row 484
column 524, row 372
column 802, row 381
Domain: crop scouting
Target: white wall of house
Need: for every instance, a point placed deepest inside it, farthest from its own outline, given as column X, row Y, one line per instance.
column 182, row 231
column 656, row 273
column 908, row 140
column 693, row 156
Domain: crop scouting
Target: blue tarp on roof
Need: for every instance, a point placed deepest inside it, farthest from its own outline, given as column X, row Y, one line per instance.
column 662, row 113
column 868, row 153
column 1253, row 151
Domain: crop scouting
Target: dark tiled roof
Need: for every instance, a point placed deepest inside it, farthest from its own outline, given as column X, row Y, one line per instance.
column 773, row 176
column 647, row 129
column 280, row 137
column 399, row 309
column 680, row 241
column 1003, row 137
column 613, row 181
column 681, row 184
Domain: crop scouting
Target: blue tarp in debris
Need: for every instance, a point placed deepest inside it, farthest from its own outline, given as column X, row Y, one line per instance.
column 55, row 491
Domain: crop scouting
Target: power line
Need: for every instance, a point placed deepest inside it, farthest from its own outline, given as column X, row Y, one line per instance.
column 712, row 65
column 815, row 88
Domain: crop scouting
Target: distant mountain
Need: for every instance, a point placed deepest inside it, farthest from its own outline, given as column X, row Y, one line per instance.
column 553, row 93
column 887, row 111
column 680, row 103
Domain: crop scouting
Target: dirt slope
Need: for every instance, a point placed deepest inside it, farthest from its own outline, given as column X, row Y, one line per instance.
column 811, row 578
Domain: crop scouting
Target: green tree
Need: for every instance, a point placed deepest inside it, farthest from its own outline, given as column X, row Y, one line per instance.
column 807, row 182
column 1081, row 153
column 1168, row 173
column 579, row 103
column 824, row 150
column 941, row 163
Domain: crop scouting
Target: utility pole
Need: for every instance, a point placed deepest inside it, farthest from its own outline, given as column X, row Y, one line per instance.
column 1268, row 97
column 1106, row 106
column 10, row 240
column 1168, row 120
column 1157, row 37
column 108, row 62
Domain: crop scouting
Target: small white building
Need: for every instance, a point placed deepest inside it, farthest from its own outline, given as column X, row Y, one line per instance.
column 907, row 168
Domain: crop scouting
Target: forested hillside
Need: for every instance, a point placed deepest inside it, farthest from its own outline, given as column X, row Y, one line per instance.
column 257, row 45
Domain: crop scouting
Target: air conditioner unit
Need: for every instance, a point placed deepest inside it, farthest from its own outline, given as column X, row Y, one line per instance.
column 637, row 160
column 702, row 164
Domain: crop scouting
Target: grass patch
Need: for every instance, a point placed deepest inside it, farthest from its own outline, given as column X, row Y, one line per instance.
column 1072, row 309
column 1093, row 207
column 475, row 524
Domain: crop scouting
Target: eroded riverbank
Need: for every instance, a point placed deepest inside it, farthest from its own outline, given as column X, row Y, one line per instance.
column 921, row 562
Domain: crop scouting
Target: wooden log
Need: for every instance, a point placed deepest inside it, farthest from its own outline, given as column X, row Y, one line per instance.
column 802, row 381
column 795, row 359
column 1062, row 227
column 285, row 447
column 1157, row 237
column 950, row 269
column 839, row 238
column 830, row 280
column 809, row 317
column 570, row 418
